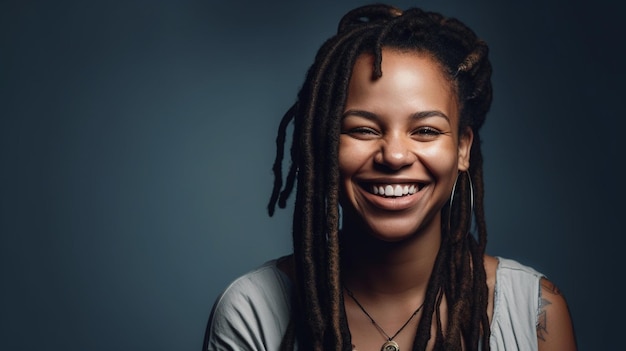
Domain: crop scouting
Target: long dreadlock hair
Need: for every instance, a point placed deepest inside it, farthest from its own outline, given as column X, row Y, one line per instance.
column 318, row 316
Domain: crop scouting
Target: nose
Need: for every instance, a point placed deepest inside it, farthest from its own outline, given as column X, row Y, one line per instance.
column 395, row 153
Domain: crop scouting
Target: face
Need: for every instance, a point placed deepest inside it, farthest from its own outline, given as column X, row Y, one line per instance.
column 400, row 149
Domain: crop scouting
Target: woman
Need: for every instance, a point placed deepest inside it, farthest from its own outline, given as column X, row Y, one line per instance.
column 386, row 155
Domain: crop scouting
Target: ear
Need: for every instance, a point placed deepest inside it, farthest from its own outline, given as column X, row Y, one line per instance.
column 465, row 146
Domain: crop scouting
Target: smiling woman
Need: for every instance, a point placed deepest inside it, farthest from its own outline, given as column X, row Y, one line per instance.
column 386, row 128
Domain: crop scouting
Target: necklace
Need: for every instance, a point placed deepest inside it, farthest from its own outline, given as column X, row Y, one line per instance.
column 389, row 345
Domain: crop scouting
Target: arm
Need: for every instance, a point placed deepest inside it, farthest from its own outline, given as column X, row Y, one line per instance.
column 554, row 325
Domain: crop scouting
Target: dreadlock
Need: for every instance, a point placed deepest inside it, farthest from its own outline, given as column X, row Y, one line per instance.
column 318, row 317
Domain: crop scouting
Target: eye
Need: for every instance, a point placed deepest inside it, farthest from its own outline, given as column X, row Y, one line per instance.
column 427, row 133
column 362, row 133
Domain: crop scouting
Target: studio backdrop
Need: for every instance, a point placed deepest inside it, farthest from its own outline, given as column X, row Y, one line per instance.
column 137, row 138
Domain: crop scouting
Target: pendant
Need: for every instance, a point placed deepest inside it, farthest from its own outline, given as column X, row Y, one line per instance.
column 390, row 346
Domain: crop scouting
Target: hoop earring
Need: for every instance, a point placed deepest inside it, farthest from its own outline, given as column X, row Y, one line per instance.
column 471, row 188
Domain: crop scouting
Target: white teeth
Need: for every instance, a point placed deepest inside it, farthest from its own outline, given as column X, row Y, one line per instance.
column 388, row 190
column 394, row 190
column 397, row 191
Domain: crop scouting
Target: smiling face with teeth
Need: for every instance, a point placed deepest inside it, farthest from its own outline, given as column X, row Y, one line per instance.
column 400, row 148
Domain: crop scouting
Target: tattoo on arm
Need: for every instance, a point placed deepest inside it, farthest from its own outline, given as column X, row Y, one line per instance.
column 542, row 319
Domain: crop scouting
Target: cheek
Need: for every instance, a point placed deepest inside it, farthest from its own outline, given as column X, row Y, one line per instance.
column 440, row 159
column 350, row 157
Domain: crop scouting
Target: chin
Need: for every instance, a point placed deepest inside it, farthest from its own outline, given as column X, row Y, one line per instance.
column 394, row 232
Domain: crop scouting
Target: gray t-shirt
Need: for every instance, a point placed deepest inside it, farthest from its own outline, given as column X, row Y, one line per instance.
column 253, row 312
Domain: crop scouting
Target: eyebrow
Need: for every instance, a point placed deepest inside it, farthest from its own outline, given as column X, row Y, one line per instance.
column 417, row 115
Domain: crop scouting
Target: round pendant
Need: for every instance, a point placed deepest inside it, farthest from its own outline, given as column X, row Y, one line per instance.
column 390, row 346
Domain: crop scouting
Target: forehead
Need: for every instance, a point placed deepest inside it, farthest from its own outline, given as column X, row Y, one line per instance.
column 403, row 62
column 410, row 79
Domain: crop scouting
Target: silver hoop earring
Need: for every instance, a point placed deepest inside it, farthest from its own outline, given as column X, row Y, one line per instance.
column 471, row 188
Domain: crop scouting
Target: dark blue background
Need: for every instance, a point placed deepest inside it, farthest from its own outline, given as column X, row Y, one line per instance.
column 136, row 140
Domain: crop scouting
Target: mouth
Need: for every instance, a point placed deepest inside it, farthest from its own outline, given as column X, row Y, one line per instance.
column 394, row 190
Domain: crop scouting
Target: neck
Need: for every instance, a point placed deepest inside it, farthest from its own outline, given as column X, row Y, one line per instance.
column 381, row 268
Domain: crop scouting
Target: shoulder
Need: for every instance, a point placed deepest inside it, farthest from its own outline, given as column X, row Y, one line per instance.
column 252, row 312
column 528, row 310
column 265, row 283
column 554, row 326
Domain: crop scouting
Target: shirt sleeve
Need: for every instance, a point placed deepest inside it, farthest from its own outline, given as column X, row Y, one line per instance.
column 516, row 302
column 251, row 314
